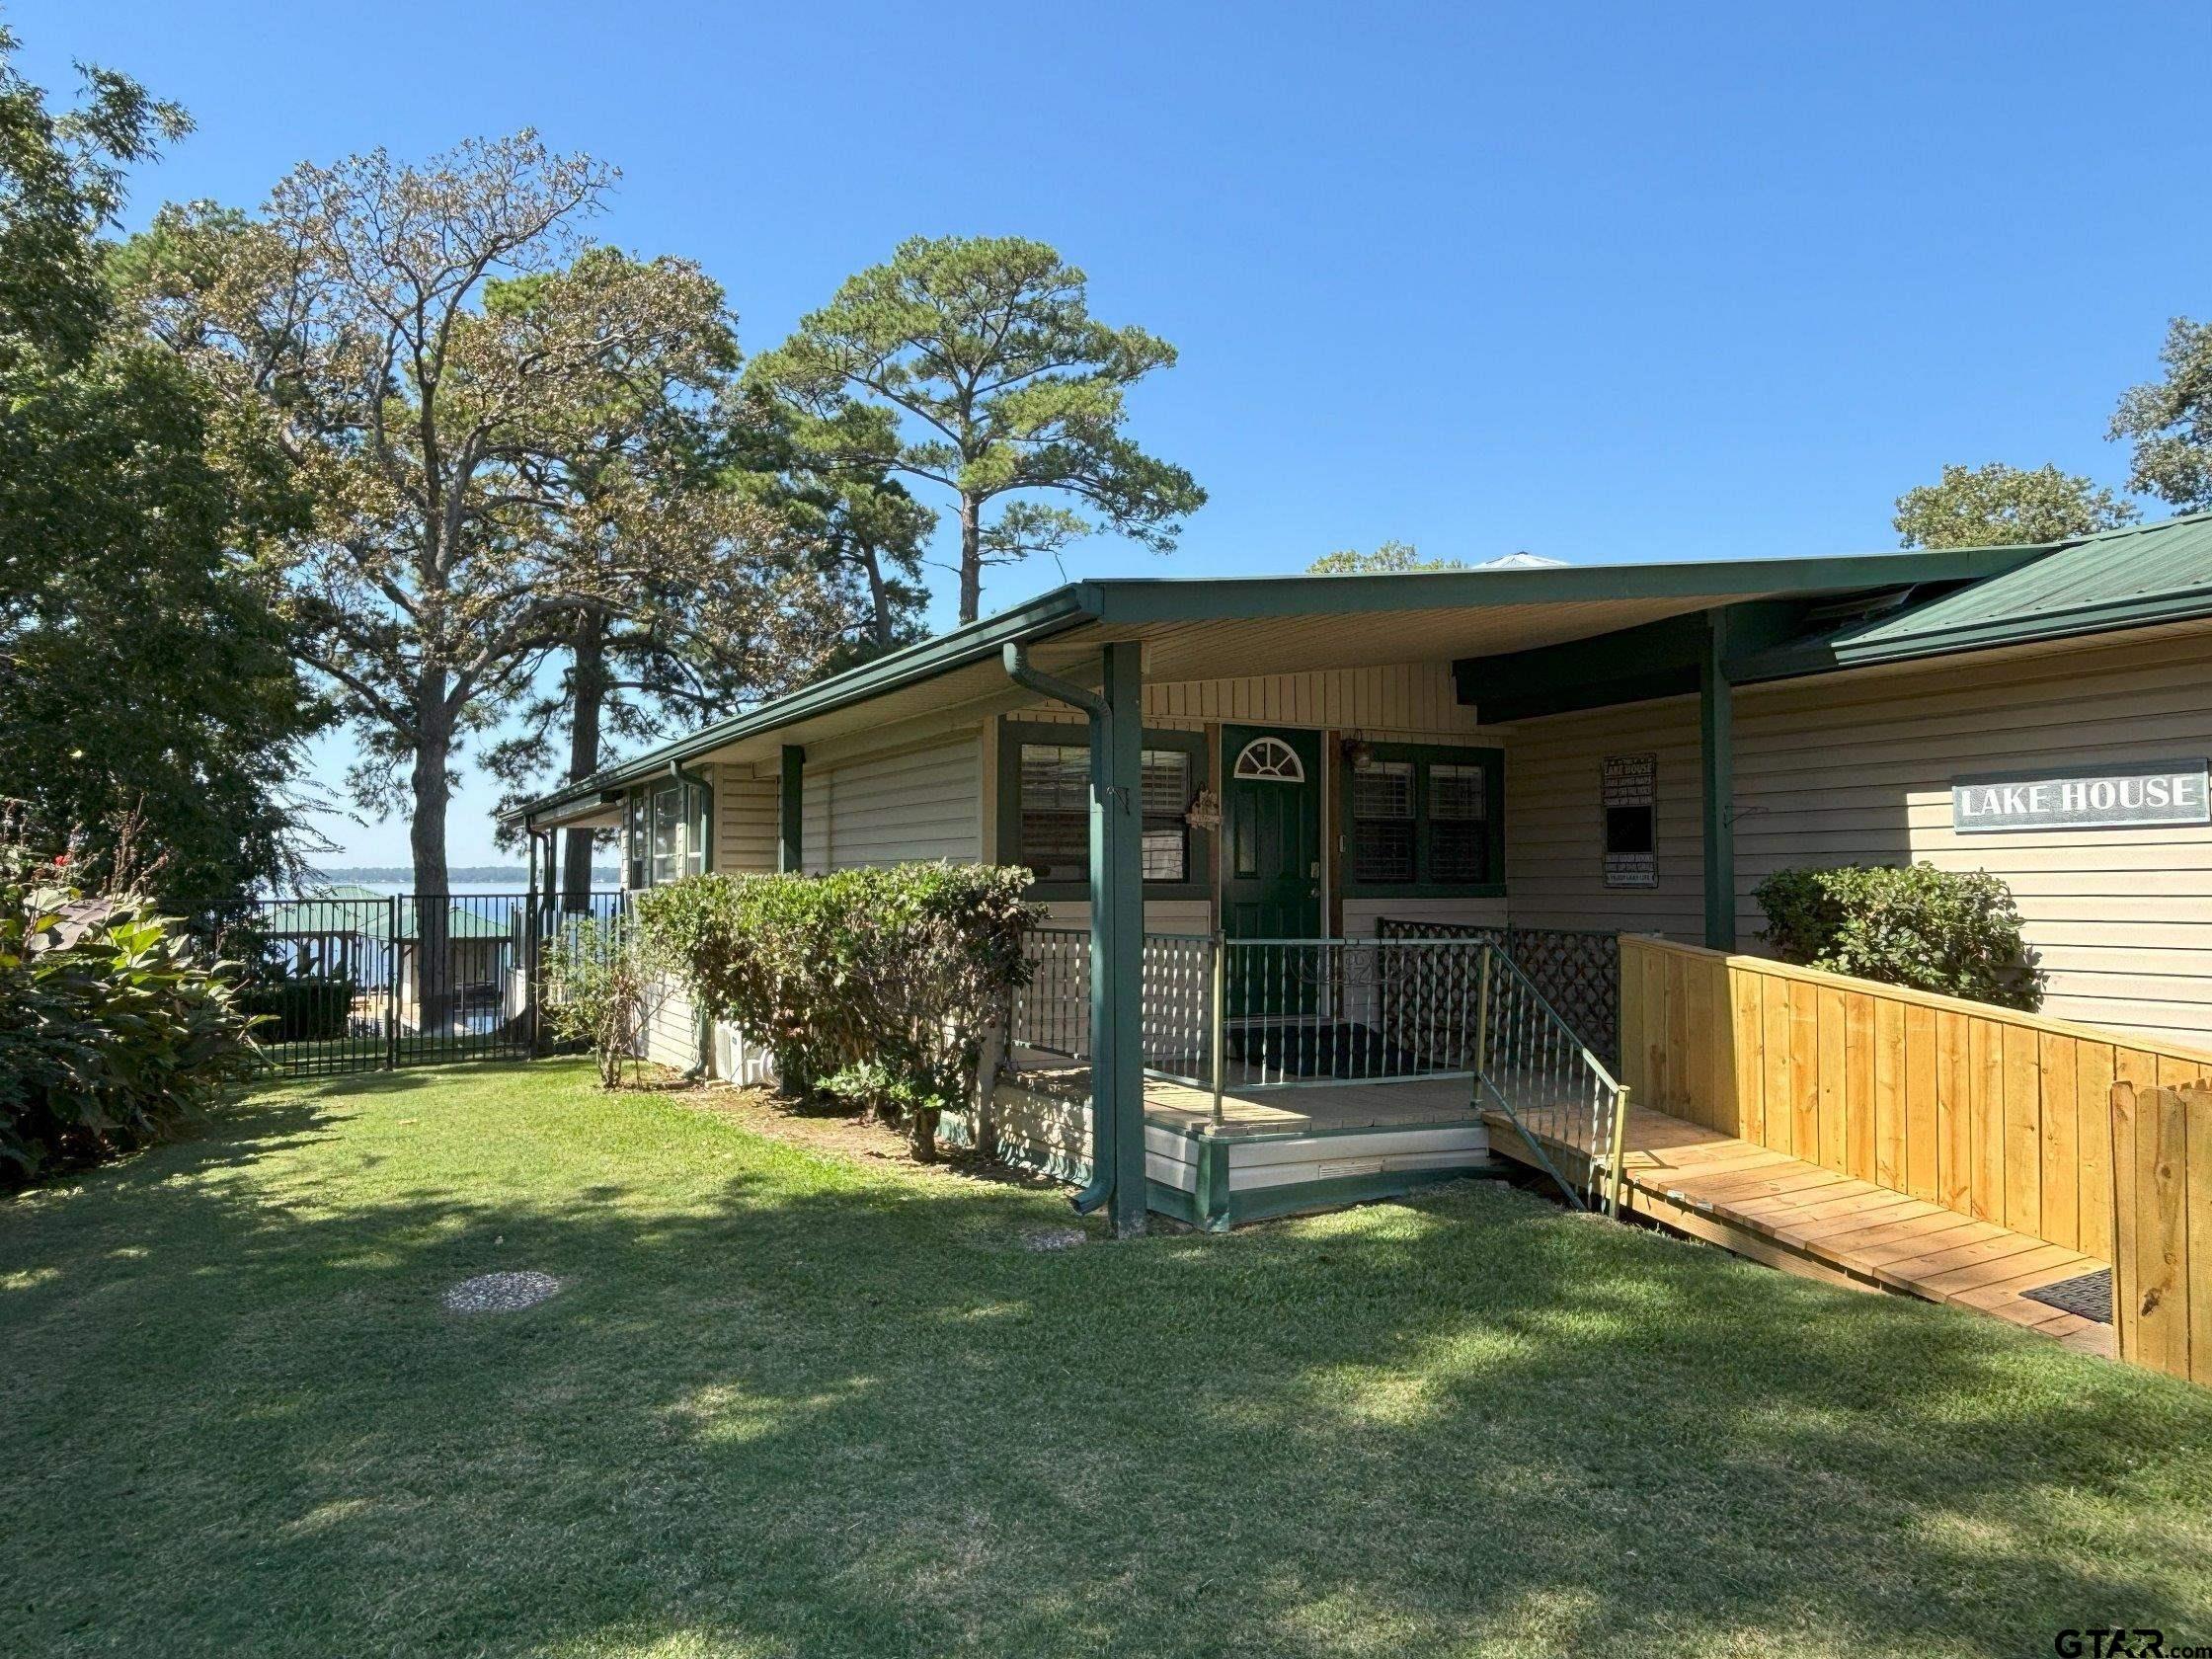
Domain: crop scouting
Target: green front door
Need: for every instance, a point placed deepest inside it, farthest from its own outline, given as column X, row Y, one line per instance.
column 1271, row 813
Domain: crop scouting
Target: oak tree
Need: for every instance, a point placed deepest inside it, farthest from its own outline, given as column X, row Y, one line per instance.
column 466, row 509
column 1999, row 505
column 2171, row 421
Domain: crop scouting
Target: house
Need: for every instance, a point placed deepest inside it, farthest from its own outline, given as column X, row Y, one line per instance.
column 1347, row 779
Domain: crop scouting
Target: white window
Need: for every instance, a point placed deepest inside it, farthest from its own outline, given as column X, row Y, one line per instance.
column 1271, row 758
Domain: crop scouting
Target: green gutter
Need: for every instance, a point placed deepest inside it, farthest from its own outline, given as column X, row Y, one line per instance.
column 1053, row 613
column 1169, row 599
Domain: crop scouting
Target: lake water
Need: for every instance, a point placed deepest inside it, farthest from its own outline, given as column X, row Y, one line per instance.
column 463, row 890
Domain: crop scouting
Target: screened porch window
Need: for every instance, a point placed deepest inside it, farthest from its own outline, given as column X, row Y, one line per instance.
column 1424, row 820
column 1046, row 778
column 664, row 828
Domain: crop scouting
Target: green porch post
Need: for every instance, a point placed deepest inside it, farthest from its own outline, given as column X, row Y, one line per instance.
column 790, row 805
column 1116, row 935
column 1717, row 742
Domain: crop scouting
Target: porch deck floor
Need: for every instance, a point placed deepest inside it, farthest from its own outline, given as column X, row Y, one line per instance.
column 1417, row 1102
column 1796, row 1215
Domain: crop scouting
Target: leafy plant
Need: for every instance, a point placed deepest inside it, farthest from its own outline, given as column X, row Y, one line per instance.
column 113, row 1026
column 1956, row 932
column 301, row 1008
column 875, row 986
column 596, row 981
column 871, row 1086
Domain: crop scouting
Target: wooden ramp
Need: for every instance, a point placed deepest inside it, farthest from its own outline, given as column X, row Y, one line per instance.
column 1792, row 1215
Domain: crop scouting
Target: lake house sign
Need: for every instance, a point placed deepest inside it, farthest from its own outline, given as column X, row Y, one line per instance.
column 2166, row 792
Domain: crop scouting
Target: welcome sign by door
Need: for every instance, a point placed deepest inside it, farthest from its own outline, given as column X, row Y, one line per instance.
column 2166, row 792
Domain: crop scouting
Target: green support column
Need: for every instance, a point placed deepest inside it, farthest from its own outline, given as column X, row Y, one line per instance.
column 1717, row 752
column 790, row 806
column 1116, row 935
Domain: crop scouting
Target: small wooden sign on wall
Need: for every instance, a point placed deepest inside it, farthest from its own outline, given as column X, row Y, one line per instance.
column 1630, row 796
column 2103, row 797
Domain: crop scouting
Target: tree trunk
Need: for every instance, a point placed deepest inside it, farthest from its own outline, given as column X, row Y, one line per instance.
column 879, row 598
column 587, row 708
column 971, row 558
column 425, row 835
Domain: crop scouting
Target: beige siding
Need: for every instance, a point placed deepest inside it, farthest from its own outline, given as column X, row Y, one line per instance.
column 1361, row 914
column 1409, row 698
column 1858, row 768
column 1407, row 701
column 921, row 804
column 1554, row 844
column 1162, row 915
column 746, row 826
column 672, row 1026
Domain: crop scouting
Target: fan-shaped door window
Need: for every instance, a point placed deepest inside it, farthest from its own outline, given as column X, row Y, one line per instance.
column 1271, row 760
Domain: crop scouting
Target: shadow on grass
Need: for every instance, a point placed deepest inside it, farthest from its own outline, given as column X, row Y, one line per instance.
column 786, row 1405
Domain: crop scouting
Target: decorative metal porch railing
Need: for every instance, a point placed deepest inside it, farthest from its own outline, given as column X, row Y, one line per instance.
column 1577, row 970
column 1317, row 1011
column 1267, row 1013
column 1554, row 1091
column 1249, row 1014
column 1051, row 1014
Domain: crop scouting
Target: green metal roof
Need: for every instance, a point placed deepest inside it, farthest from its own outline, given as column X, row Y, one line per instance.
column 348, row 908
column 1141, row 603
column 2131, row 577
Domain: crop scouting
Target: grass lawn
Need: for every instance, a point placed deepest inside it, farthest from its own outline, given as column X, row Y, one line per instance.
column 794, row 1402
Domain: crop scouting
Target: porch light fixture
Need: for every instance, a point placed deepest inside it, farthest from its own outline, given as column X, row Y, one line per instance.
column 1356, row 750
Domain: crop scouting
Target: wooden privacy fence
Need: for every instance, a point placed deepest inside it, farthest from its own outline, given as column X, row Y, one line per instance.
column 2007, row 1116
column 2162, row 1244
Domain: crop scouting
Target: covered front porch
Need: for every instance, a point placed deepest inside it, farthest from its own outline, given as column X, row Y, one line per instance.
column 1248, row 1153
column 1322, row 917
column 1288, row 1075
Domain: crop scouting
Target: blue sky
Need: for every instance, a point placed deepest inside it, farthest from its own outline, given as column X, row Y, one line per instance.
column 1605, row 282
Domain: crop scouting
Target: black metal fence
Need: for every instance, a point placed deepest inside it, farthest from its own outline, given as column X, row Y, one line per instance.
column 352, row 980
column 1575, row 969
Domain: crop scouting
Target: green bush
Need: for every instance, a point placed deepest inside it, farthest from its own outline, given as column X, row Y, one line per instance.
column 596, row 979
column 309, row 1009
column 874, row 984
column 113, row 1024
column 1941, row 930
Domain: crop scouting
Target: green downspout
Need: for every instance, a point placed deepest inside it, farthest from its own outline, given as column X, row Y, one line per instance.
column 1117, row 926
column 1716, row 744
column 703, row 1067
column 791, row 801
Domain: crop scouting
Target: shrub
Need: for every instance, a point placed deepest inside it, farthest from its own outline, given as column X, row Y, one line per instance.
column 113, row 1025
column 1939, row 930
column 309, row 1009
column 876, row 984
column 596, row 979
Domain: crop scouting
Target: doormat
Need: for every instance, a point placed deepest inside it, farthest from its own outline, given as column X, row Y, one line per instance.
column 2090, row 1296
column 1339, row 1048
